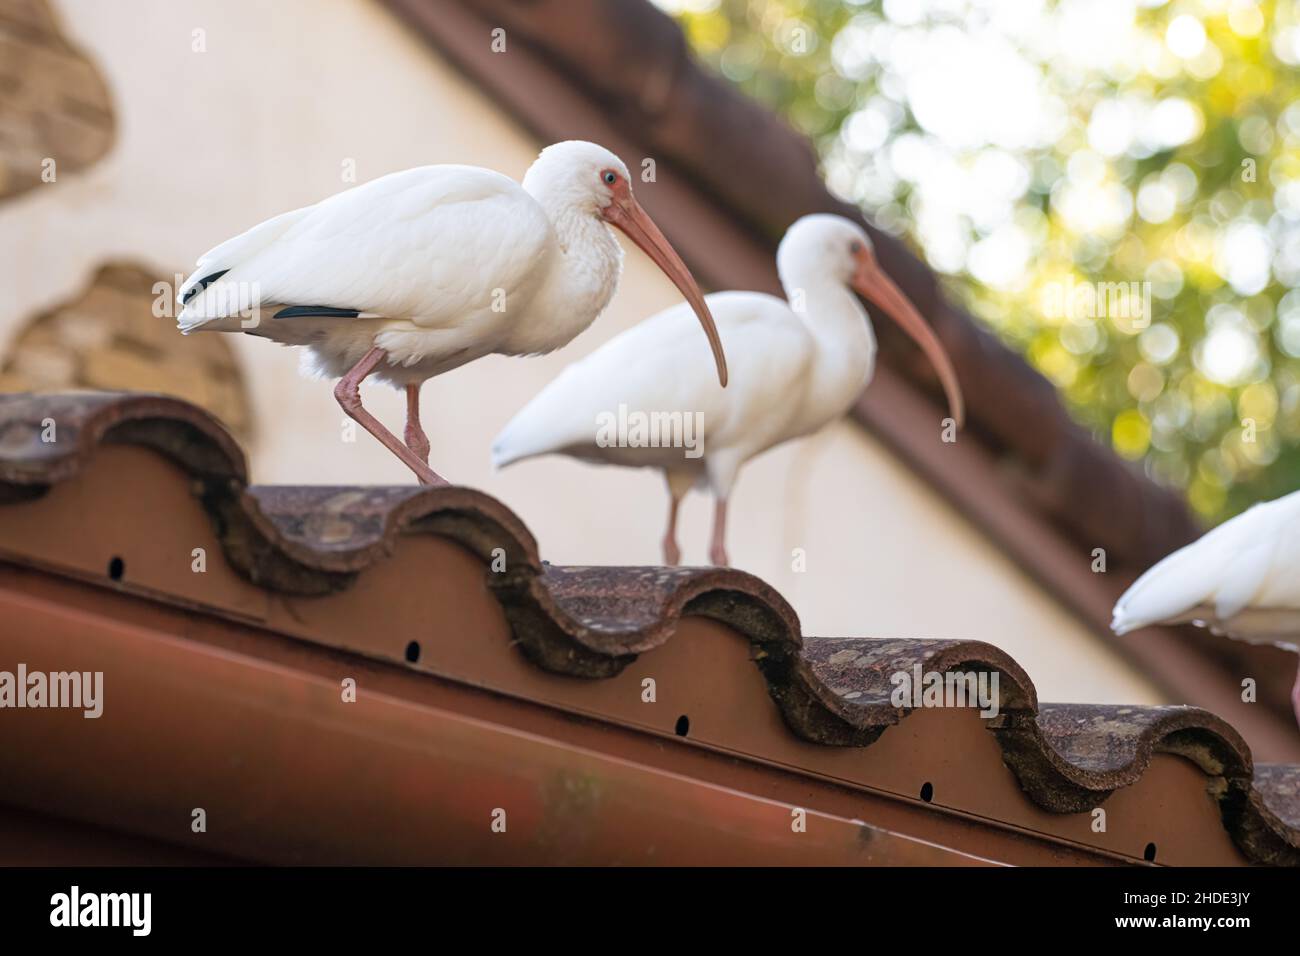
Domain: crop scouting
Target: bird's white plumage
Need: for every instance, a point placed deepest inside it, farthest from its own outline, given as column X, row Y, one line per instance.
column 444, row 263
column 1242, row 579
column 791, row 372
column 658, row 365
column 410, row 248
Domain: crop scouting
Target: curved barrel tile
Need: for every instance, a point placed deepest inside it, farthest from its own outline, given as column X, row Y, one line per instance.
column 593, row 621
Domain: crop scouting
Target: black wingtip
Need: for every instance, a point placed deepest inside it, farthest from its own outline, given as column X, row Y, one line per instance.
column 202, row 284
column 325, row 311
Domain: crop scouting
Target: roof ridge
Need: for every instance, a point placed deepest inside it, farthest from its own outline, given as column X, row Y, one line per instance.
column 45, row 436
column 590, row 622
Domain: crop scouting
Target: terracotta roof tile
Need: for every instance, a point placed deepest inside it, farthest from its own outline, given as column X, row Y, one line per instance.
column 592, row 622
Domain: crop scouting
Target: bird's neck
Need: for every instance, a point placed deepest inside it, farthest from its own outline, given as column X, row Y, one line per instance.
column 585, row 263
column 846, row 343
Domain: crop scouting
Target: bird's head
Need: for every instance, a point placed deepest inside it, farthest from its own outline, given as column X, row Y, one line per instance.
column 589, row 179
column 841, row 250
column 582, row 176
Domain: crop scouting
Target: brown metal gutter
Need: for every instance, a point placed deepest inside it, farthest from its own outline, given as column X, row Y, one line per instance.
column 28, row 838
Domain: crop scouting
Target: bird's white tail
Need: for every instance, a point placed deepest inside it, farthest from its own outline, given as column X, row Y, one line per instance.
column 1217, row 575
column 536, row 430
column 223, row 287
column 514, row 443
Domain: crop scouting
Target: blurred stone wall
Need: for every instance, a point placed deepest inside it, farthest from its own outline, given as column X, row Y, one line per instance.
column 110, row 337
column 56, row 117
column 55, row 112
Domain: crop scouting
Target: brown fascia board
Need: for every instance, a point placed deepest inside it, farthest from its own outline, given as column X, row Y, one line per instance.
column 731, row 176
column 359, row 575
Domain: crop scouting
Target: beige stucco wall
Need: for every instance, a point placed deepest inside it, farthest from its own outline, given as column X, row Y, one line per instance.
column 210, row 143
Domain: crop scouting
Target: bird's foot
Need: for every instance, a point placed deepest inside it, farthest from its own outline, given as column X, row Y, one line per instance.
column 429, row 477
column 672, row 553
column 718, row 555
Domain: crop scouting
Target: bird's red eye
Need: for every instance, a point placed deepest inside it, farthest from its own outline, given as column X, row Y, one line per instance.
column 609, row 176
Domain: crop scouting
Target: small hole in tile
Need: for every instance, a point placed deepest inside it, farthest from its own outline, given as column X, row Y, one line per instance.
column 413, row 651
column 683, row 725
column 927, row 792
column 116, row 568
column 1149, row 854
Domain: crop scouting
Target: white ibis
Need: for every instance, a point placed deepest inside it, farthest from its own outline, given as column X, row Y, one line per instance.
column 799, row 366
column 1242, row 579
column 419, row 272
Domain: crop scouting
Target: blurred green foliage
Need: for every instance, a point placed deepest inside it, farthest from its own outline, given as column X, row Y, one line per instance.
column 1031, row 149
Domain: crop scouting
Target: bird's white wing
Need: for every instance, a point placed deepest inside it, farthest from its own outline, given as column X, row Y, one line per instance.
column 242, row 247
column 663, row 364
column 411, row 245
column 1242, row 578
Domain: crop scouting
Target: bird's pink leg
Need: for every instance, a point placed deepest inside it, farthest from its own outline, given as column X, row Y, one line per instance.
column 416, row 439
column 348, row 393
column 672, row 553
column 718, row 550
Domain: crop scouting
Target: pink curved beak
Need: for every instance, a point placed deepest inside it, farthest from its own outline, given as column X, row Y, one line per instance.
column 871, row 282
column 626, row 214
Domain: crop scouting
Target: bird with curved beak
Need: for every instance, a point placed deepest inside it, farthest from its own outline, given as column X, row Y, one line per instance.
column 419, row 272
column 800, row 364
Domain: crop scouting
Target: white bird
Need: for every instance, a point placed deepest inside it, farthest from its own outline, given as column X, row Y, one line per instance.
column 1241, row 579
column 799, row 366
column 419, row 272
